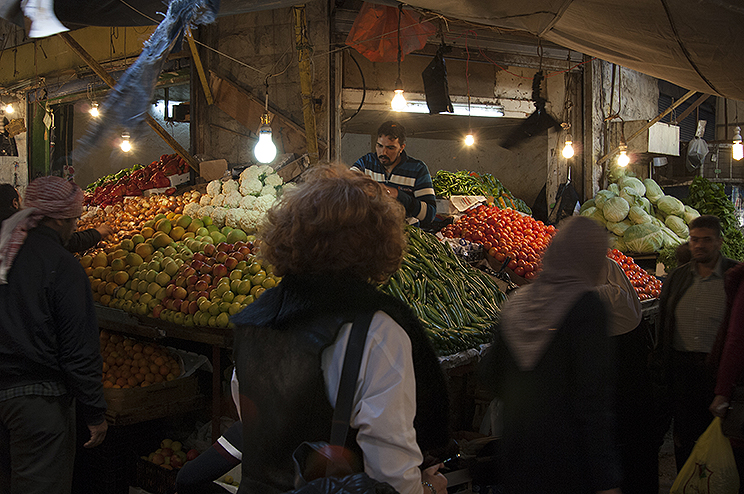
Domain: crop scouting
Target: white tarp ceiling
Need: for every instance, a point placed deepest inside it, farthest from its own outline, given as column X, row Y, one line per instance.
column 696, row 44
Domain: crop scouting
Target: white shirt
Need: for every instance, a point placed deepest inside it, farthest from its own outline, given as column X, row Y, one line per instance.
column 384, row 403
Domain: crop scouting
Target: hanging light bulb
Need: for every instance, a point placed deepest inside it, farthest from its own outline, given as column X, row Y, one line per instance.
column 399, row 101
column 738, row 148
column 469, row 139
column 9, row 108
column 623, row 160
column 568, row 150
column 94, row 109
column 125, row 145
column 265, row 150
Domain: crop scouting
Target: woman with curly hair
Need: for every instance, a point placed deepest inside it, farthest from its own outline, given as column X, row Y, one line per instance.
column 332, row 239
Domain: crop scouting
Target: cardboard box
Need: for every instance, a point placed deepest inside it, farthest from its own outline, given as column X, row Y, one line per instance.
column 176, row 180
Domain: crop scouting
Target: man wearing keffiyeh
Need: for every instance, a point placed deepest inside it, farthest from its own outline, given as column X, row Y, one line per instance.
column 49, row 352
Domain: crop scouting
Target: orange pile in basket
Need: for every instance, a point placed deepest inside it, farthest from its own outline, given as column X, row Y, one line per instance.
column 128, row 363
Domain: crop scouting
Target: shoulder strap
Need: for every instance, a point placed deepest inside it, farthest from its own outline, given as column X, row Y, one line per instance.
column 349, row 375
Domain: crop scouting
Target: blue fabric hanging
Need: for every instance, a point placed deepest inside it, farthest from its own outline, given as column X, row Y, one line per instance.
column 129, row 101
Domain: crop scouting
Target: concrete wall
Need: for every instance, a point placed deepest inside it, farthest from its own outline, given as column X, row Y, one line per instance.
column 263, row 43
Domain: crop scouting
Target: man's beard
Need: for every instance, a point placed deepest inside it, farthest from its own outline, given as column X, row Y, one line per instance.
column 384, row 159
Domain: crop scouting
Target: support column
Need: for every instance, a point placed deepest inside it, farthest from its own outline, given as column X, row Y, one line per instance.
column 304, row 54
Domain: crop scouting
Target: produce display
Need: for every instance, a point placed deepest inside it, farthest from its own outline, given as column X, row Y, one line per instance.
column 646, row 286
column 505, row 233
column 111, row 189
column 170, row 455
column 240, row 203
column 640, row 216
column 457, row 304
column 128, row 363
column 466, row 183
column 710, row 198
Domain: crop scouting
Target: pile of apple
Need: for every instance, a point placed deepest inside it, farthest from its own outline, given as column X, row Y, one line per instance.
column 170, row 455
column 218, row 282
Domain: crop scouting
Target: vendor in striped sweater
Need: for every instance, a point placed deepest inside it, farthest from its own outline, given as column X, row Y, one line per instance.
column 405, row 178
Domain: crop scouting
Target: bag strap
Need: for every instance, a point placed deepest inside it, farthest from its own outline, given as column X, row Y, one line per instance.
column 349, row 375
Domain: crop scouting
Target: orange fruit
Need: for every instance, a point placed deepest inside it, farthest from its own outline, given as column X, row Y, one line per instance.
column 144, row 384
column 154, row 368
column 121, row 381
column 108, row 384
column 159, row 378
column 150, row 377
column 164, row 371
column 132, row 381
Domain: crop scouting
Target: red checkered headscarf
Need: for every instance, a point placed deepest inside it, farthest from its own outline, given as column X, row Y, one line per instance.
column 52, row 197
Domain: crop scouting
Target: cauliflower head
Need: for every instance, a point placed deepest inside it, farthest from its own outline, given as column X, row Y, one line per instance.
column 249, row 221
column 233, row 216
column 218, row 216
column 273, row 180
column 218, row 200
column 263, row 203
column 268, row 190
column 214, row 187
column 247, row 202
column 205, row 211
column 251, row 187
column 229, row 186
column 191, row 209
column 249, row 173
column 232, row 200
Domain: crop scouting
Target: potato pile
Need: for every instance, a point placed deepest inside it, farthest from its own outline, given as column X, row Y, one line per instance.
column 128, row 363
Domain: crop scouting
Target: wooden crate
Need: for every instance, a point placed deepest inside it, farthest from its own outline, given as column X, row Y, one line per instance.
column 132, row 405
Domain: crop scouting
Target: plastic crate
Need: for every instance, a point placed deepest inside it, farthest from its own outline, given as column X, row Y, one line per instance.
column 154, row 478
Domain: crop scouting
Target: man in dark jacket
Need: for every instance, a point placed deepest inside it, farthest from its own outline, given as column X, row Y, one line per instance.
column 49, row 350
column 691, row 307
column 10, row 204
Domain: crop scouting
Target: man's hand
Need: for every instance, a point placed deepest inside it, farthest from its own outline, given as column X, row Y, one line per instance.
column 719, row 407
column 104, row 230
column 435, row 478
column 97, row 434
column 392, row 191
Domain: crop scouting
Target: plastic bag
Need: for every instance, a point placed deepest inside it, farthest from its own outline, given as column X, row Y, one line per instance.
column 375, row 32
column 711, row 468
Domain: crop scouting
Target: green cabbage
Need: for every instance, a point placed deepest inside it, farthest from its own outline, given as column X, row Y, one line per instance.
column 645, row 238
column 658, row 222
column 671, row 205
column 588, row 211
column 614, row 188
column 618, row 228
column 670, row 238
column 653, row 191
column 617, row 242
column 602, row 197
column 677, row 225
column 615, row 209
column 634, row 184
column 629, row 194
column 587, row 204
column 638, row 215
column 598, row 216
column 690, row 214
column 646, row 204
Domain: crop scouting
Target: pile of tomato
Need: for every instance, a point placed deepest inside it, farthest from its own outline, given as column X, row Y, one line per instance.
column 505, row 233
column 646, row 285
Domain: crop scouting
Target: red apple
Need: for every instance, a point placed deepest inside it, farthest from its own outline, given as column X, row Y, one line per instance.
column 191, row 280
column 157, row 310
column 166, row 452
column 230, row 263
column 188, row 271
column 237, row 245
column 175, row 304
column 209, row 249
column 158, row 459
column 198, row 256
column 219, row 270
column 201, row 285
column 191, row 454
column 221, row 256
column 246, row 251
column 224, row 247
column 180, row 293
column 180, row 281
column 238, row 256
column 169, row 289
column 176, row 462
column 193, row 295
column 210, row 261
column 203, row 293
column 206, row 277
column 168, row 303
column 185, row 306
column 205, row 269
column 197, row 264
column 193, row 307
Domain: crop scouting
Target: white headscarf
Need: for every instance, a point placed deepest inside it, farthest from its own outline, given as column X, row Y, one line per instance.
column 572, row 266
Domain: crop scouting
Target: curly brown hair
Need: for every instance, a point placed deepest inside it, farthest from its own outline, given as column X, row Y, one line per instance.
column 338, row 222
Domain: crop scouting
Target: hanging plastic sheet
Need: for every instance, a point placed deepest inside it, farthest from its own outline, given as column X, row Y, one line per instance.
column 375, row 32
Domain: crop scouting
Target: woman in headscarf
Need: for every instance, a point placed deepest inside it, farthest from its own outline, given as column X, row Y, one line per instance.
column 551, row 364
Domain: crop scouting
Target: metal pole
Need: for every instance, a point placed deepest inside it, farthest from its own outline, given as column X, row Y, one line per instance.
column 306, row 85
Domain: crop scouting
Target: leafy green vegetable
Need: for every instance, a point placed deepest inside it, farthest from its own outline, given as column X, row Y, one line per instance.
column 616, row 209
column 644, row 238
column 710, row 198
